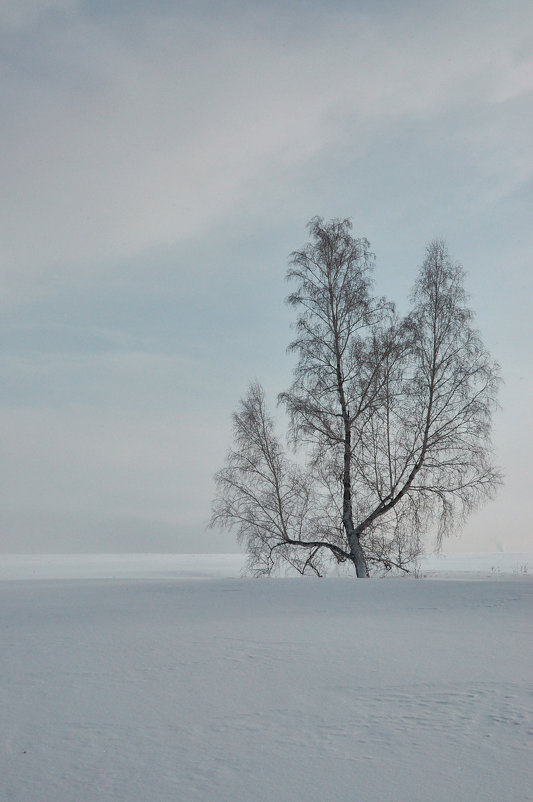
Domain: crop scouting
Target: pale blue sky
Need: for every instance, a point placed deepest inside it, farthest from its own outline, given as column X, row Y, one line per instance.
column 160, row 160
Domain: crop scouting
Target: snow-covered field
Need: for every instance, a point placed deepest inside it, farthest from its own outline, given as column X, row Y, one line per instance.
column 163, row 677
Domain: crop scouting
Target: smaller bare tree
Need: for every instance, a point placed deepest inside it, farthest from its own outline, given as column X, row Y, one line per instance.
column 268, row 498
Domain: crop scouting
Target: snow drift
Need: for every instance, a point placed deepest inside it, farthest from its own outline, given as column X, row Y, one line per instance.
column 177, row 687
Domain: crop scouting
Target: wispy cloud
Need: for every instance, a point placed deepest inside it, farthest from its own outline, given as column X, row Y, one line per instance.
column 159, row 161
column 153, row 128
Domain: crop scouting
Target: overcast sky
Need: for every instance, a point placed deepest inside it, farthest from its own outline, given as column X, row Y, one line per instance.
column 159, row 161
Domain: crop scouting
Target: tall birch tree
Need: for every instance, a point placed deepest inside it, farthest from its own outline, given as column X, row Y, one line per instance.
column 393, row 418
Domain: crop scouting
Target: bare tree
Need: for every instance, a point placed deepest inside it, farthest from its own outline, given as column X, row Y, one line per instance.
column 341, row 348
column 393, row 417
column 268, row 499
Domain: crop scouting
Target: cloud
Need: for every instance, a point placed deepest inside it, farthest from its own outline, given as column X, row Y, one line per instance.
column 132, row 130
column 25, row 14
column 119, row 462
column 159, row 161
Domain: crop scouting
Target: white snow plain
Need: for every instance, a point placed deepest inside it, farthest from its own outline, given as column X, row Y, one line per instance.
column 169, row 677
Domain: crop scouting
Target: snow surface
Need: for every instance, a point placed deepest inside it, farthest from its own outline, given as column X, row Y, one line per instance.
column 165, row 677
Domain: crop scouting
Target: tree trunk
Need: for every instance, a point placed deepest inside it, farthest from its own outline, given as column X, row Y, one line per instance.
column 357, row 555
column 356, row 551
column 358, row 559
